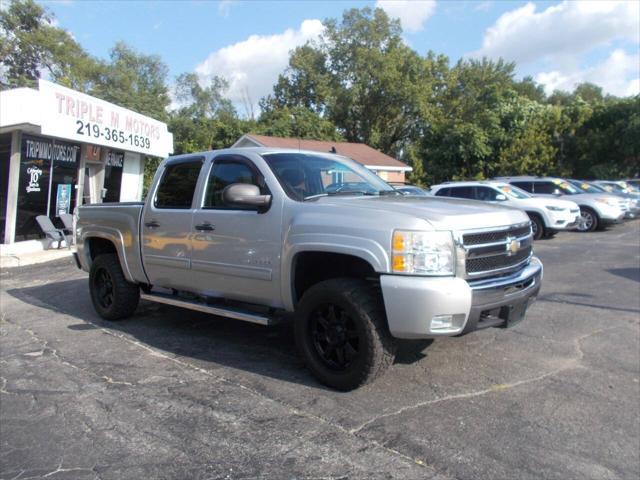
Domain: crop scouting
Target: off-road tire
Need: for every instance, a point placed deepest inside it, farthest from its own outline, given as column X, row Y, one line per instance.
column 594, row 222
column 362, row 303
column 124, row 297
column 537, row 226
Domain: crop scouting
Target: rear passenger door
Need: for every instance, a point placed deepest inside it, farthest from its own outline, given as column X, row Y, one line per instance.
column 166, row 224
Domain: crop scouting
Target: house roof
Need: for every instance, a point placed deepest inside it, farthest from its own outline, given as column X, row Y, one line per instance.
column 360, row 152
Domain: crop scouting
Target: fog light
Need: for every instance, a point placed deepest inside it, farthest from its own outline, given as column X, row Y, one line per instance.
column 447, row 323
column 442, row 322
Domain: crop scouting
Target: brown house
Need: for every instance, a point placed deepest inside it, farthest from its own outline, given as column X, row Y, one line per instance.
column 386, row 167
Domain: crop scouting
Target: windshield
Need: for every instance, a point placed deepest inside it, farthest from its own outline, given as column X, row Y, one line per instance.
column 566, row 187
column 513, row 191
column 587, row 187
column 612, row 187
column 307, row 175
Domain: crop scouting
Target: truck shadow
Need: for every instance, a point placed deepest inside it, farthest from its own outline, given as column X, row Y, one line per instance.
column 216, row 341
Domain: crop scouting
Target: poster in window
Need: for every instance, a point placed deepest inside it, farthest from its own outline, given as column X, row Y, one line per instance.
column 63, row 199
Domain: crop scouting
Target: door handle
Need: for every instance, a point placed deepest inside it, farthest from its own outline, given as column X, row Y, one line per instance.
column 152, row 224
column 205, row 227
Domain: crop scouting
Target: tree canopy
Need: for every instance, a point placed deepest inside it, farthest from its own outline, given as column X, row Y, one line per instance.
column 358, row 82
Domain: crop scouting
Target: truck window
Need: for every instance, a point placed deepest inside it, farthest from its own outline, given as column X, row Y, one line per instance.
column 178, row 185
column 226, row 172
column 443, row 192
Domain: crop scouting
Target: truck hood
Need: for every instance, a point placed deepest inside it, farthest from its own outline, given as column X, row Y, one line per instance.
column 441, row 213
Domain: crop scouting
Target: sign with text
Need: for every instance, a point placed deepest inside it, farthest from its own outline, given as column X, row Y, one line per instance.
column 83, row 118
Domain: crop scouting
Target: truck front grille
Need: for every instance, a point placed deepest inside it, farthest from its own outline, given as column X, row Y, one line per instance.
column 495, row 252
column 487, row 264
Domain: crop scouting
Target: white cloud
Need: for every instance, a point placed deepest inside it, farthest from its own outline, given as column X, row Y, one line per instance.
column 619, row 75
column 412, row 13
column 252, row 66
column 560, row 31
column 483, row 6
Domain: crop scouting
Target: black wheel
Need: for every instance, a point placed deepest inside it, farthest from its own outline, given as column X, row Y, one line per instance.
column 537, row 227
column 588, row 220
column 548, row 234
column 342, row 334
column 113, row 297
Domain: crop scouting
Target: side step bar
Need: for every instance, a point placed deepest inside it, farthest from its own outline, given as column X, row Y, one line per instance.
column 203, row 307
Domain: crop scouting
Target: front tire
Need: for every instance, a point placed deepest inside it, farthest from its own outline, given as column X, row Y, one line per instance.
column 588, row 221
column 537, row 226
column 342, row 334
column 113, row 297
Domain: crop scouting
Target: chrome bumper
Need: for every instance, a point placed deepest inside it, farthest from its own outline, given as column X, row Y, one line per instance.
column 414, row 304
column 503, row 302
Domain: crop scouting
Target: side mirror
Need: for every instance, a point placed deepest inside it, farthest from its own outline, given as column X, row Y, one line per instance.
column 557, row 192
column 500, row 197
column 245, row 194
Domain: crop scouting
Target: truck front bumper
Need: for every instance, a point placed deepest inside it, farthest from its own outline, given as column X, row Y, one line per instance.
column 427, row 307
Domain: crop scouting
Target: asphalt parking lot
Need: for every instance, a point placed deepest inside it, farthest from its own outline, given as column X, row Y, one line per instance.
column 174, row 394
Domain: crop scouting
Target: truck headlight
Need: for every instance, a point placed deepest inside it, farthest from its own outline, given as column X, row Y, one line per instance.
column 554, row 209
column 422, row 253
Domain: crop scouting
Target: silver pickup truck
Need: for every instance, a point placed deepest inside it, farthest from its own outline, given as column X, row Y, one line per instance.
column 260, row 234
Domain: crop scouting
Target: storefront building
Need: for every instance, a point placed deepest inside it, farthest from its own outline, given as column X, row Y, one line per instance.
column 60, row 148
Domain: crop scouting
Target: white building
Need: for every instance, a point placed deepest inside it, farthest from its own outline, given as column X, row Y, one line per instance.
column 60, row 148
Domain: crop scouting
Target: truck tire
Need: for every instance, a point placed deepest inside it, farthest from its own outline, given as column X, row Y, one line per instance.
column 589, row 220
column 537, row 226
column 342, row 333
column 113, row 297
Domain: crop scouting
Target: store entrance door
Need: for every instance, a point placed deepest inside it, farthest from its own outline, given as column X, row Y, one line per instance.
column 91, row 192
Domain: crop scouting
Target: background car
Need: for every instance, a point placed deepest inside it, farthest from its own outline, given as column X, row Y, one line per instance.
column 548, row 215
column 632, row 201
column 596, row 209
column 412, row 190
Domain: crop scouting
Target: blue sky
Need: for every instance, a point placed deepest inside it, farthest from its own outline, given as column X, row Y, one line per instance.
column 558, row 43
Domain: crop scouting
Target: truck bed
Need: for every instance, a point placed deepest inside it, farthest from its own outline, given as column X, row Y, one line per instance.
column 119, row 223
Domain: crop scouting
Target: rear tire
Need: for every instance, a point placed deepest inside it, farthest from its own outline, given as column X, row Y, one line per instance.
column 537, row 226
column 113, row 297
column 588, row 221
column 342, row 333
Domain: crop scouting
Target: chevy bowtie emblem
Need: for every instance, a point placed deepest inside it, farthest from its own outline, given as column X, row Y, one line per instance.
column 512, row 246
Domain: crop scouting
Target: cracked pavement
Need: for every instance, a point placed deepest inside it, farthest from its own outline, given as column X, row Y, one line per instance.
column 174, row 394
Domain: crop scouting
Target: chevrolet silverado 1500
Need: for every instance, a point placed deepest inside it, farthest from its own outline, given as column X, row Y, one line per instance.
column 264, row 234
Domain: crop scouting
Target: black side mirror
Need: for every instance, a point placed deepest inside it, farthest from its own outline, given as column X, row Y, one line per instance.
column 246, row 195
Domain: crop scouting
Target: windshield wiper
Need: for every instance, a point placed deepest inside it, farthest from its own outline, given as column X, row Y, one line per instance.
column 388, row 192
column 341, row 192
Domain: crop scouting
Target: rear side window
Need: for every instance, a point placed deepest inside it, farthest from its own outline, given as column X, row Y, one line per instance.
column 526, row 186
column 225, row 172
column 544, row 187
column 486, row 194
column 462, row 192
column 178, row 184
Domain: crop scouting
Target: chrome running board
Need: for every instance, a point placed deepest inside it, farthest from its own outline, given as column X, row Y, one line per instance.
column 203, row 307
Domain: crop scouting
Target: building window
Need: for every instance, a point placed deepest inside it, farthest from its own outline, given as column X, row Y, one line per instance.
column 46, row 186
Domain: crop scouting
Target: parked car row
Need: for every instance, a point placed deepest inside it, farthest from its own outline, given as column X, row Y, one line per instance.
column 552, row 204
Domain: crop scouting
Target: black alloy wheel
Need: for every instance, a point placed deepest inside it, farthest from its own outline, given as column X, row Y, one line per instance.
column 113, row 297
column 334, row 336
column 103, row 285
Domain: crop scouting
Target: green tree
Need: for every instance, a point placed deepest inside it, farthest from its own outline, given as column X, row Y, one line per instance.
column 32, row 47
column 298, row 122
column 361, row 77
column 136, row 81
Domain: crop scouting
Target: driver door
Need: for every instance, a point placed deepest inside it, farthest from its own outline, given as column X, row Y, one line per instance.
column 235, row 251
